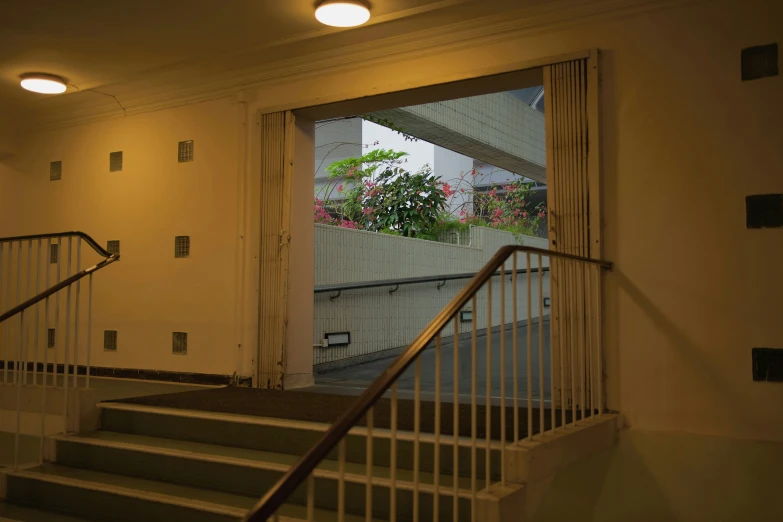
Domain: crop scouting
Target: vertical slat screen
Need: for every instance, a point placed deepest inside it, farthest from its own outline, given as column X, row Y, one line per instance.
column 573, row 185
column 277, row 138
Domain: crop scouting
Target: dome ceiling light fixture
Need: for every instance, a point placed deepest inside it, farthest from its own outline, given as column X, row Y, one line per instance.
column 43, row 83
column 342, row 13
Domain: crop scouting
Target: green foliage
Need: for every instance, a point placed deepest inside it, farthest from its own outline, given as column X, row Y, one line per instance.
column 378, row 194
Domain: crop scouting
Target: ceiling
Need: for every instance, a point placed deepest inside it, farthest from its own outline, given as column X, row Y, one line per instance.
column 99, row 44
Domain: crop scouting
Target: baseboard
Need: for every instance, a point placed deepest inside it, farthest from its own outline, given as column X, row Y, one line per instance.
column 141, row 374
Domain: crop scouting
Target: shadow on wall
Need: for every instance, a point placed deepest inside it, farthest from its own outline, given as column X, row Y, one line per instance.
column 664, row 477
column 682, row 362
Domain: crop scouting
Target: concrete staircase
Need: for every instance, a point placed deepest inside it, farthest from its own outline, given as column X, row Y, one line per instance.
column 148, row 463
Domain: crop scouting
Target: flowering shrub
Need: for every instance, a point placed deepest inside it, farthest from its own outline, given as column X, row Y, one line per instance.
column 376, row 193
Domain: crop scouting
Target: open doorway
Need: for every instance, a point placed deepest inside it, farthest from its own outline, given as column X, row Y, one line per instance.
column 411, row 201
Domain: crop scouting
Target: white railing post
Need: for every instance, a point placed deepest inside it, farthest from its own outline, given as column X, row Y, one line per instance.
column 37, row 327
column 67, row 340
column 18, row 401
column 529, row 347
column 541, row 344
column 78, row 305
column 89, row 331
column 45, row 358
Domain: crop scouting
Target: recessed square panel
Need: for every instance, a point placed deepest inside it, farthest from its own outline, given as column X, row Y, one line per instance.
column 179, row 343
column 115, row 161
column 110, row 340
column 113, row 246
column 182, row 246
column 185, row 151
column 759, row 62
column 55, row 170
column 54, row 253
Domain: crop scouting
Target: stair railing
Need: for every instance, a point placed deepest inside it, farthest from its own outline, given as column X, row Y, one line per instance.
column 28, row 263
column 492, row 298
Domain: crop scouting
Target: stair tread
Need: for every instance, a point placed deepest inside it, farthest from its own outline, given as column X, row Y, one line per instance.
column 176, row 493
column 17, row 513
column 188, row 449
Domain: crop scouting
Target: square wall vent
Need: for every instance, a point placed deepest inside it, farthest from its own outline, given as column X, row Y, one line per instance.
column 54, row 253
column 185, row 151
column 110, row 340
column 50, row 338
column 55, row 170
column 179, row 343
column 113, row 246
column 115, row 161
column 182, row 246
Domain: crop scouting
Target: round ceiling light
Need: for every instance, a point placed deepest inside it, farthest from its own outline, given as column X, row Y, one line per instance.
column 342, row 13
column 43, row 83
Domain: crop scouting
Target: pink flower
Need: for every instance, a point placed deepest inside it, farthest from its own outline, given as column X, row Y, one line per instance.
column 340, row 188
column 516, row 212
column 524, row 214
column 367, row 211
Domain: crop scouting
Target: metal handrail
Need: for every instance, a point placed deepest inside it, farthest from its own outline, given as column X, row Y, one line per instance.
column 110, row 258
column 90, row 241
column 275, row 497
column 321, row 289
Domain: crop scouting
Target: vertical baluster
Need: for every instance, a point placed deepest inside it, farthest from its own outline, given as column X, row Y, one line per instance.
column 503, row 373
column 540, row 344
column 552, row 409
column 416, row 435
column 25, row 346
column 8, row 307
column 488, row 407
column 436, row 448
column 368, row 458
column 473, row 411
column 57, row 335
column 529, row 348
column 45, row 357
column 37, row 328
column 310, row 497
column 515, row 348
column 573, row 337
column 341, row 480
column 455, row 427
column 599, row 312
column 18, row 332
column 561, row 323
column 5, row 361
column 76, row 313
column 18, row 398
column 66, row 370
column 589, row 336
column 89, row 330
column 393, row 457
column 581, row 310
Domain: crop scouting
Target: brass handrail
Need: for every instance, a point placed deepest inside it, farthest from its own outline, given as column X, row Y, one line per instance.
column 275, row 497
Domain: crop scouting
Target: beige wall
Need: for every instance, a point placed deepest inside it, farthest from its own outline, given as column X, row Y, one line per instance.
column 683, row 142
column 148, row 294
column 655, row 477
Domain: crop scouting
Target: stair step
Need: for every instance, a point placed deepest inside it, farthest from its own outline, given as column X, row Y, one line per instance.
column 105, row 496
column 283, row 436
column 246, row 472
column 13, row 513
